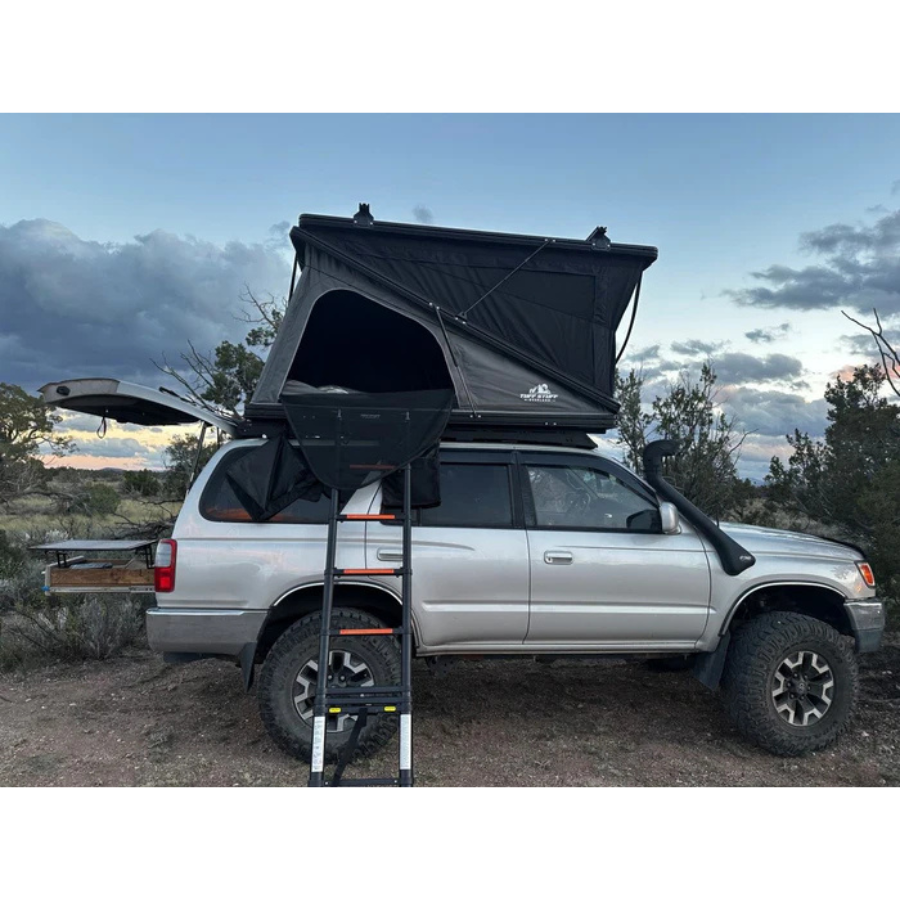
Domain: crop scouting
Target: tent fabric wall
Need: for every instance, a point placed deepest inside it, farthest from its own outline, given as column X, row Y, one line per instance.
column 538, row 350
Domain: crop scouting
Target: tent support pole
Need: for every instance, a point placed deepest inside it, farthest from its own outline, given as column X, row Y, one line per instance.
column 294, row 275
column 637, row 297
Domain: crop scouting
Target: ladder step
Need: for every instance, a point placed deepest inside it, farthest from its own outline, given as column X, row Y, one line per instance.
column 343, row 631
column 372, row 708
column 391, row 691
column 396, row 572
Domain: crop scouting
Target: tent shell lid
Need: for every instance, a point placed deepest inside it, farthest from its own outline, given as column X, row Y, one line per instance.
column 301, row 234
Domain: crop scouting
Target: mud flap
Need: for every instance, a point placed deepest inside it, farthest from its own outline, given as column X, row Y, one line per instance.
column 246, row 658
column 708, row 667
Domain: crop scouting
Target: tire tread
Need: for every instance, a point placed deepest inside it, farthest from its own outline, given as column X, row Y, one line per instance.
column 759, row 646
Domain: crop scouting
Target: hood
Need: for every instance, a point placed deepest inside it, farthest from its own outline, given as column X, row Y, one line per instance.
column 762, row 541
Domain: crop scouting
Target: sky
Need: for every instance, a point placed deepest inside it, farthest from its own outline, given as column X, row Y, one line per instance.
column 124, row 236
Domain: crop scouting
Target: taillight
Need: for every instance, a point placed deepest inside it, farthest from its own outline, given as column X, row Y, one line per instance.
column 164, row 568
column 866, row 571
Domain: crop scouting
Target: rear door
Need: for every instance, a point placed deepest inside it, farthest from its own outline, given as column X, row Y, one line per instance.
column 131, row 403
column 470, row 555
column 602, row 572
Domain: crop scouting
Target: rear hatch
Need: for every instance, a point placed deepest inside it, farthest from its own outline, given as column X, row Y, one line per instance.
column 132, row 404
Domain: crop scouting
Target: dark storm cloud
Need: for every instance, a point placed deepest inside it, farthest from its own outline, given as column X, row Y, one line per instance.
column 697, row 348
column 72, row 308
column 767, row 335
column 859, row 268
column 737, row 368
column 774, row 413
column 423, row 214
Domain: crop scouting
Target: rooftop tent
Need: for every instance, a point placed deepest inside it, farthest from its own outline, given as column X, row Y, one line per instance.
column 520, row 328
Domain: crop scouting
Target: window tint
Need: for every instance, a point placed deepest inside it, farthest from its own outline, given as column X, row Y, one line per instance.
column 219, row 504
column 577, row 497
column 472, row 496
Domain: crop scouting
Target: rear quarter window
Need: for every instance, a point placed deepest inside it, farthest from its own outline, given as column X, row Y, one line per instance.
column 218, row 502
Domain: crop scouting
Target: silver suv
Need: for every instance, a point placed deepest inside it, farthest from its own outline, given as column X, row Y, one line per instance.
column 534, row 551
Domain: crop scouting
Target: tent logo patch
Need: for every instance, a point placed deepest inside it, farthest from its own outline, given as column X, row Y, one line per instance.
column 540, row 393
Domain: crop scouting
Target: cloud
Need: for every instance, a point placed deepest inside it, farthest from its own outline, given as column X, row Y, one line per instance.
column 118, row 448
column 423, row 214
column 640, row 356
column 739, row 368
column 278, row 238
column 73, row 308
column 895, row 187
column 768, row 335
column 859, row 268
column 774, row 413
column 697, row 348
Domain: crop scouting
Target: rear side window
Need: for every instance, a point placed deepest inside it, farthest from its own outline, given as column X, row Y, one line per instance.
column 472, row 496
column 218, row 502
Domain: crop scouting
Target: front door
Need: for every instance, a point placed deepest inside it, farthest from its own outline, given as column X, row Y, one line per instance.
column 602, row 571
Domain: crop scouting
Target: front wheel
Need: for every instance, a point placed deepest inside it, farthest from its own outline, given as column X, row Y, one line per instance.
column 287, row 684
column 790, row 683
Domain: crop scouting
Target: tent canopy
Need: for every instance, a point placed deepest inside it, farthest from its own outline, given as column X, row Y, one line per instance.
column 521, row 328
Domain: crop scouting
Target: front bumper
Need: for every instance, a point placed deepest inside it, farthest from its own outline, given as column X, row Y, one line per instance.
column 222, row 632
column 867, row 619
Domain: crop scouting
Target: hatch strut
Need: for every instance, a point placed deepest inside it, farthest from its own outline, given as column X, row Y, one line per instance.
column 196, row 464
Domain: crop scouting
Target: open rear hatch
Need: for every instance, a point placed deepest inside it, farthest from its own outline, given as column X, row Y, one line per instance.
column 133, row 404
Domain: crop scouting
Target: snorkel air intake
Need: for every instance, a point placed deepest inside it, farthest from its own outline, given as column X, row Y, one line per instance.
column 735, row 559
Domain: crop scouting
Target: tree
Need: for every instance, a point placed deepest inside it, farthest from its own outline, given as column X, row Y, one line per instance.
column 142, row 483
column 226, row 379
column 890, row 357
column 851, row 480
column 687, row 412
column 26, row 427
column 181, row 460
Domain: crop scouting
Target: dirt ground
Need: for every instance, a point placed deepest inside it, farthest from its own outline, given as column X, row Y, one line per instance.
column 138, row 721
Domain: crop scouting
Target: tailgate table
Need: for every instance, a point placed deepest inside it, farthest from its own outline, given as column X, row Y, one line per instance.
column 123, row 567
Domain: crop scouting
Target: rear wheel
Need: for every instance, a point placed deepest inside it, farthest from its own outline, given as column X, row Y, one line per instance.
column 790, row 683
column 287, row 684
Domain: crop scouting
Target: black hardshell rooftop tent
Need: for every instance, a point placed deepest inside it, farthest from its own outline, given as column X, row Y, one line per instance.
column 521, row 328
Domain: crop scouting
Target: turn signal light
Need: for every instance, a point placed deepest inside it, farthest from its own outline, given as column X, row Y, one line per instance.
column 164, row 568
column 868, row 575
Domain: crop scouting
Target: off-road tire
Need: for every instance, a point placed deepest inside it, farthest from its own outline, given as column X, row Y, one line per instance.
column 292, row 651
column 757, row 651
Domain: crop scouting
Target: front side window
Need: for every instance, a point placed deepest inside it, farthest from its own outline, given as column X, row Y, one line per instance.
column 472, row 496
column 578, row 497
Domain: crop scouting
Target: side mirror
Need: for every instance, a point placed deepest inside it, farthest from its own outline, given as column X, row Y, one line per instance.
column 669, row 518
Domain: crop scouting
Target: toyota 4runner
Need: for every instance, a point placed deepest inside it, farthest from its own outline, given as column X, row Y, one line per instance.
column 533, row 551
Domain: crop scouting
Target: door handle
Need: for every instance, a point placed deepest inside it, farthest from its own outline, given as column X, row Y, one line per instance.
column 558, row 557
column 390, row 555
